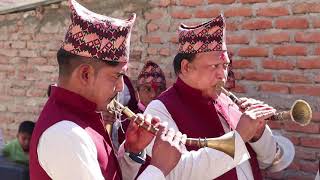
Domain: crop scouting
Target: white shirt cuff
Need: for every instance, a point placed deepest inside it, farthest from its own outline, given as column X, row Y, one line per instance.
column 151, row 172
column 122, row 153
column 265, row 147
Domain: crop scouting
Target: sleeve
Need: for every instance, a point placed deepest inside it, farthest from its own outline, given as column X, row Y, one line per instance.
column 265, row 148
column 130, row 168
column 66, row 151
column 151, row 172
column 317, row 176
column 206, row 163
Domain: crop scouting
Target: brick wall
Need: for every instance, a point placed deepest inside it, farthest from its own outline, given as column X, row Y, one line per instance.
column 28, row 45
column 276, row 47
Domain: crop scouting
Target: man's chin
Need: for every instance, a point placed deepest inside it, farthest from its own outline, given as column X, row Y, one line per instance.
column 99, row 109
column 104, row 107
column 215, row 96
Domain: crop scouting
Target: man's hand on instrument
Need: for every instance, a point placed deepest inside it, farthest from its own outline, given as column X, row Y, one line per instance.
column 167, row 149
column 247, row 102
column 252, row 121
column 137, row 139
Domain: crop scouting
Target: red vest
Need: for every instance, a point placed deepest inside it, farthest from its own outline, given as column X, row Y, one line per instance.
column 197, row 117
column 66, row 105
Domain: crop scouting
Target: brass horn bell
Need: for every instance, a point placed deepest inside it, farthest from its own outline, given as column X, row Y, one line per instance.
column 300, row 113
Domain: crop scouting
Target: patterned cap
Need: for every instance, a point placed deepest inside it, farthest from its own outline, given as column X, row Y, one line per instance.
column 206, row 37
column 96, row 36
column 152, row 74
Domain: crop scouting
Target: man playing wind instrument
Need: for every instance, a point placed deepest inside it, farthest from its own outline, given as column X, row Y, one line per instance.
column 195, row 107
column 69, row 141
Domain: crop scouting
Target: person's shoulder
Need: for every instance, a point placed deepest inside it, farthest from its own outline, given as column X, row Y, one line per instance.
column 10, row 147
column 155, row 104
column 167, row 94
column 64, row 128
column 12, row 143
column 171, row 90
column 63, row 125
column 156, row 108
column 73, row 138
column 65, row 132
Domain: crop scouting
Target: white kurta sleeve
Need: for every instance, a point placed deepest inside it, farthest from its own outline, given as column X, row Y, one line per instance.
column 130, row 168
column 206, row 163
column 151, row 172
column 66, row 151
column 265, row 148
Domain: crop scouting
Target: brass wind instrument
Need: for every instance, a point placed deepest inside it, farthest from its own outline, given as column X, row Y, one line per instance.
column 110, row 114
column 300, row 111
column 225, row 143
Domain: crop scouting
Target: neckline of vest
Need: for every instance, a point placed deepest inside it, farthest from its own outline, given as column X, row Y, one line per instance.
column 72, row 99
column 191, row 93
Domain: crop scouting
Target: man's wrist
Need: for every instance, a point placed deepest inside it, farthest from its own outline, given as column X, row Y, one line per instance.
column 137, row 157
column 128, row 148
column 257, row 137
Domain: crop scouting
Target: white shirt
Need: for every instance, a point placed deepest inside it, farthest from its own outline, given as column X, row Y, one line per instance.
column 317, row 176
column 208, row 163
column 66, row 151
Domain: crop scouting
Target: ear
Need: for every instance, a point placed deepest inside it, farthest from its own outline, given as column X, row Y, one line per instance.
column 85, row 73
column 185, row 66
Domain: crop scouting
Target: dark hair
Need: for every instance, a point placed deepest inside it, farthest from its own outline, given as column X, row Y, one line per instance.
column 68, row 62
column 178, row 59
column 26, row 127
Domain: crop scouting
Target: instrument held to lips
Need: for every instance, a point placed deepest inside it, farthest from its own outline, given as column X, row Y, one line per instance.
column 300, row 111
column 225, row 143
